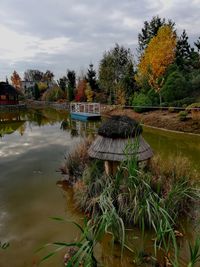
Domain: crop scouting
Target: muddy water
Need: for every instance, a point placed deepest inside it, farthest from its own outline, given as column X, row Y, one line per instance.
column 32, row 147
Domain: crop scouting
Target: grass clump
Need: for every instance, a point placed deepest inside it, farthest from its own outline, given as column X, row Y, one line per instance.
column 76, row 162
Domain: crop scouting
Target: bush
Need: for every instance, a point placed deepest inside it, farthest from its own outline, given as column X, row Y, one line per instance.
column 183, row 115
column 175, row 87
column 182, row 102
column 171, row 109
column 140, row 101
column 53, row 94
column 195, row 110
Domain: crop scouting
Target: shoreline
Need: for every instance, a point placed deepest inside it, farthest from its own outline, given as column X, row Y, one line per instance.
column 159, row 119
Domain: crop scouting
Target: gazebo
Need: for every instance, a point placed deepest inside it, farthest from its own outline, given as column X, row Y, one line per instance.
column 119, row 138
column 8, row 94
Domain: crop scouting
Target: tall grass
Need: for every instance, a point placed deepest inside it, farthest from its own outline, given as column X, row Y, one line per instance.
column 151, row 198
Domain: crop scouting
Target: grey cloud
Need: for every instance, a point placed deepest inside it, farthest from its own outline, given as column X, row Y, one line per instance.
column 91, row 26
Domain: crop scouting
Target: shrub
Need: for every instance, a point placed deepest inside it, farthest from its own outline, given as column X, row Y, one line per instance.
column 195, row 110
column 182, row 102
column 171, row 109
column 140, row 101
column 76, row 162
column 183, row 115
column 53, row 94
column 175, row 87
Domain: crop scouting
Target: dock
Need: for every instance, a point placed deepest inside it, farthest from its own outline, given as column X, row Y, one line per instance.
column 85, row 111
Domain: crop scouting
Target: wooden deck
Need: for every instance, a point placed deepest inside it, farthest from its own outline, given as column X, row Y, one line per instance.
column 85, row 111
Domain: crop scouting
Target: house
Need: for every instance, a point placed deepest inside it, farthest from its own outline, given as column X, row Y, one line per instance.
column 8, row 94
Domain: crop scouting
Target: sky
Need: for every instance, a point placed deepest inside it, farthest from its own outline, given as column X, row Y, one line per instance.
column 71, row 34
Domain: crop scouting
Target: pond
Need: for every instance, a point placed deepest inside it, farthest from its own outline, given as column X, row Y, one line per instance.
column 33, row 145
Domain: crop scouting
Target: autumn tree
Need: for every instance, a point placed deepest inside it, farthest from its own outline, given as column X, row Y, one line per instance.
column 150, row 30
column 80, row 91
column 16, row 80
column 158, row 55
column 89, row 93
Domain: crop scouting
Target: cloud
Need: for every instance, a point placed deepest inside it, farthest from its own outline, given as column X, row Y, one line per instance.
column 63, row 34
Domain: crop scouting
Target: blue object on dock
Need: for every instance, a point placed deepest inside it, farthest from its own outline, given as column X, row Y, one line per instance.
column 84, row 116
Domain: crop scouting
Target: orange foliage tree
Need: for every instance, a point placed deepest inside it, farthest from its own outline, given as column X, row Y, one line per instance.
column 16, row 80
column 159, row 54
column 80, row 91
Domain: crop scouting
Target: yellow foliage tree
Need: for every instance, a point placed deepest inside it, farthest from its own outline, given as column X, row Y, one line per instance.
column 89, row 93
column 120, row 96
column 159, row 54
column 42, row 86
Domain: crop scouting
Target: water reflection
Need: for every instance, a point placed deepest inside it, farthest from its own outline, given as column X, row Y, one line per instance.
column 30, row 154
column 80, row 128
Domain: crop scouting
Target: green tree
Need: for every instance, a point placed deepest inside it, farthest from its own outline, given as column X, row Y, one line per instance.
column 150, row 30
column 183, row 51
column 197, row 44
column 176, row 87
column 91, row 78
column 36, row 92
column 62, row 82
column 114, row 69
column 33, row 75
column 71, row 84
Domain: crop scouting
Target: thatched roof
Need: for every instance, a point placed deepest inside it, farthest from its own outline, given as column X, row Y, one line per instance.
column 120, row 127
column 7, row 88
column 125, row 142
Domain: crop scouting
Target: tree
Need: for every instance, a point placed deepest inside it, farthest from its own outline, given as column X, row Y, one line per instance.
column 197, row 44
column 36, row 92
column 89, row 93
column 114, row 69
column 183, row 51
column 159, row 54
column 48, row 76
column 71, row 84
column 33, row 75
column 150, row 30
column 80, row 91
column 16, row 80
column 91, row 78
column 62, row 82
column 175, row 87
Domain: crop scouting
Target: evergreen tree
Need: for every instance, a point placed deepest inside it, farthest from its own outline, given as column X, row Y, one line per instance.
column 183, row 51
column 150, row 30
column 71, row 84
column 91, row 78
column 197, row 44
column 36, row 92
column 62, row 82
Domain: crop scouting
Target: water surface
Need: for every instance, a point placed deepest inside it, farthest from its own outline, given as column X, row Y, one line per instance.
column 32, row 147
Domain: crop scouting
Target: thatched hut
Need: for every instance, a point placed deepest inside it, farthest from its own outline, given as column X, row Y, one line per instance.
column 8, row 94
column 118, row 138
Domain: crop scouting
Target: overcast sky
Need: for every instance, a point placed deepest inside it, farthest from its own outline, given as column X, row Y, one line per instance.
column 70, row 34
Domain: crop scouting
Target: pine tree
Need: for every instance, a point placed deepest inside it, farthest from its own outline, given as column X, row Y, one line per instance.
column 91, row 78
column 183, row 51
